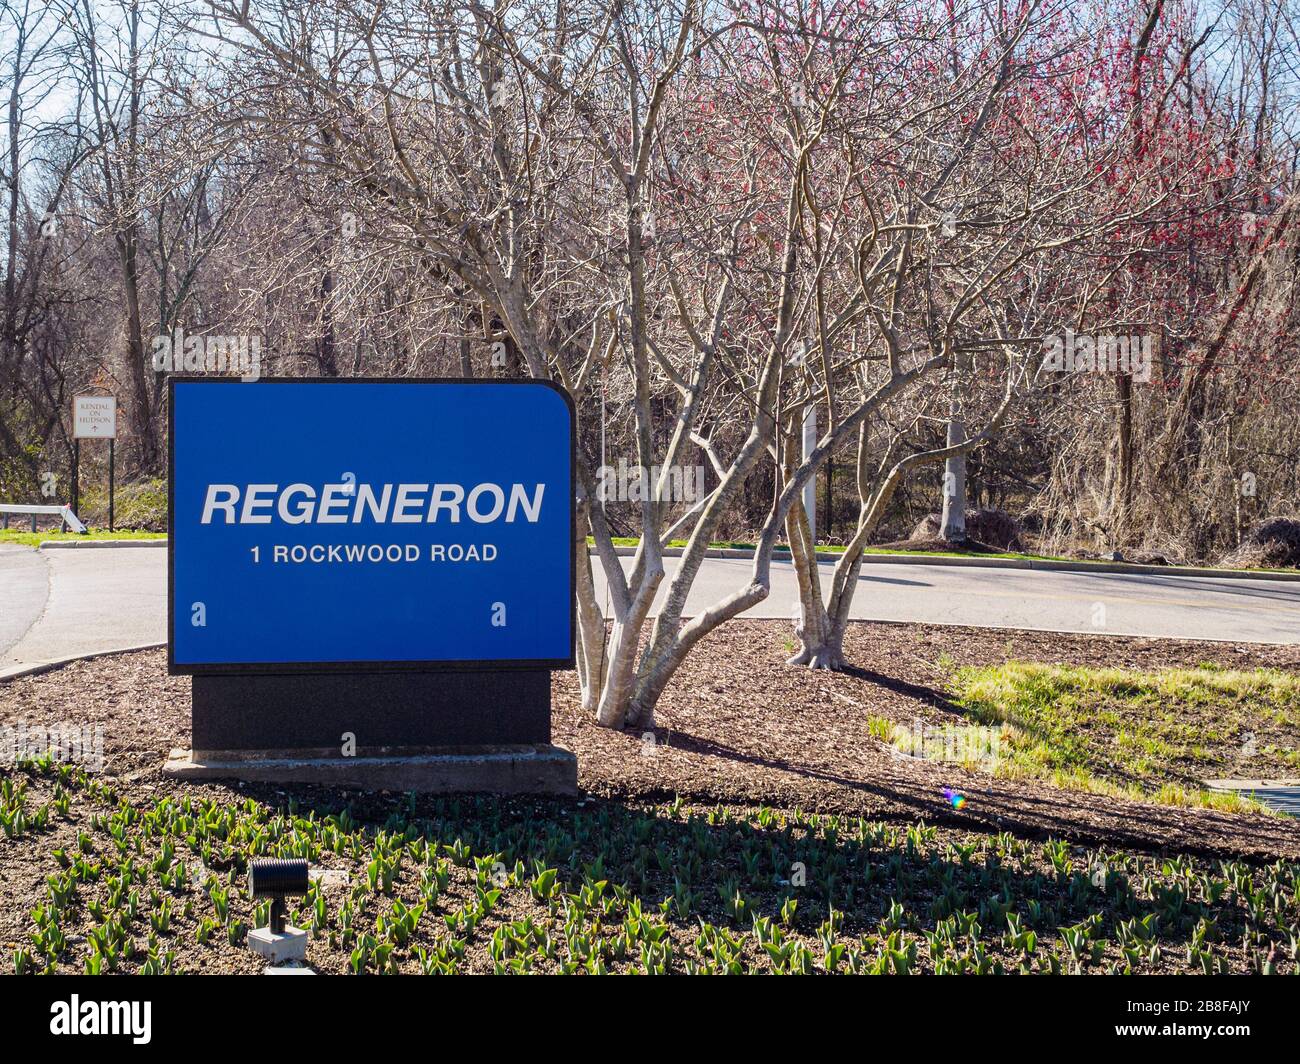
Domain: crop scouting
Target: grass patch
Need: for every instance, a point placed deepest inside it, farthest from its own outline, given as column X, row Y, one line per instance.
column 35, row 539
column 142, row 504
column 632, row 541
column 1002, row 555
column 1154, row 735
column 108, row 877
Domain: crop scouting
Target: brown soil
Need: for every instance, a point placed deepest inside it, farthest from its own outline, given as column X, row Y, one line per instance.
column 737, row 726
column 937, row 544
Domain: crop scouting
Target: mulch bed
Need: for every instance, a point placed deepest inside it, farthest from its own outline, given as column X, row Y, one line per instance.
column 738, row 726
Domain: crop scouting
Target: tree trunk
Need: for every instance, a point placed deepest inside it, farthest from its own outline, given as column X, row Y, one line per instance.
column 590, row 619
column 812, row 626
column 141, row 407
column 826, row 650
column 1123, row 501
column 952, row 526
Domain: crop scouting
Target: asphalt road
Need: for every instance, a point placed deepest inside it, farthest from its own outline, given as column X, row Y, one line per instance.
column 58, row 604
column 1182, row 607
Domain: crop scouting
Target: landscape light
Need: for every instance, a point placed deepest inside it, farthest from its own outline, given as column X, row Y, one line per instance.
column 278, row 879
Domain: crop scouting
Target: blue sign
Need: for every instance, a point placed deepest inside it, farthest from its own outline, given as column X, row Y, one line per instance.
column 368, row 524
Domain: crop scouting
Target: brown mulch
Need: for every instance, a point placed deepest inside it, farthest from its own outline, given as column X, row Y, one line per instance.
column 738, row 726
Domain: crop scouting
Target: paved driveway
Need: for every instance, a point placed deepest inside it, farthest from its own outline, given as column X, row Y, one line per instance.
column 57, row 604
column 1179, row 607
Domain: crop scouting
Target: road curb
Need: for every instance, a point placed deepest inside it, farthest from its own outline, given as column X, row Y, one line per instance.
column 1251, row 785
column 1282, row 796
column 16, row 672
column 994, row 563
column 99, row 544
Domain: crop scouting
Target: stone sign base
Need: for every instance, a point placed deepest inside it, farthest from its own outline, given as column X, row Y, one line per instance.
column 530, row 769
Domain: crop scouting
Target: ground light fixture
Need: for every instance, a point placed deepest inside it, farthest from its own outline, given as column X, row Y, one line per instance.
column 278, row 942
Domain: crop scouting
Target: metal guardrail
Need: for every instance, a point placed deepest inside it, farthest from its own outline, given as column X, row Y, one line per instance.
column 64, row 512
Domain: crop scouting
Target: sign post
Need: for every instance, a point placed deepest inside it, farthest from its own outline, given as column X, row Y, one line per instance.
column 94, row 417
column 370, row 580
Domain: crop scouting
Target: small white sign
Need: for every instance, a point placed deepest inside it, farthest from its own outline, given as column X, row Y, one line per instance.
column 94, row 417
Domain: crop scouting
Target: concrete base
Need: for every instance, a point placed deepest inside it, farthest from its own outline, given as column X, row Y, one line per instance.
column 290, row 946
column 287, row 969
column 537, row 769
